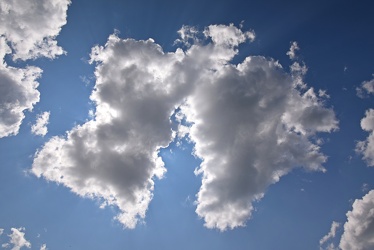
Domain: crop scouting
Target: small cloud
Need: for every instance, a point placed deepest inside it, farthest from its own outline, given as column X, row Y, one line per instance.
column 366, row 88
column 323, row 94
column 91, row 114
column 366, row 147
column 292, row 52
column 17, row 239
column 188, row 35
column 40, row 127
column 44, row 247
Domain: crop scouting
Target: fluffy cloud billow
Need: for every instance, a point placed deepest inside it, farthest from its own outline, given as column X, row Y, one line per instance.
column 359, row 228
column 250, row 127
column 251, row 123
column 32, row 26
column 17, row 239
column 18, row 87
column 40, row 126
column 114, row 157
column 27, row 31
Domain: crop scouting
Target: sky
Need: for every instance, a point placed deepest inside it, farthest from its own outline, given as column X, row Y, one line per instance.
column 186, row 125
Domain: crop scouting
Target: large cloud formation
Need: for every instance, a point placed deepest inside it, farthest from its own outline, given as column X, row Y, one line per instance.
column 251, row 123
column 27, row 31
column 359, row 228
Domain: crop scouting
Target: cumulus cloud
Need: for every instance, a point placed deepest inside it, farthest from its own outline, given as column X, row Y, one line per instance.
column 292, row 52
column 27, row 31
column 250, row 127
column 367, row 87
column 114, row 157
column 17, row 239
column 331, row 235
column 32, row 26
column 250, row 123
column 40, row 126
column 359, row 228
column 18, row 87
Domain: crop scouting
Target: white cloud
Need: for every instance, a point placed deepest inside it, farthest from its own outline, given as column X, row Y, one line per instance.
column 331, row 235
column 292, row 52
column 27, row 31
column 250, row 127
column 367, row 87
column 250, row 124
column 114, row 157
column 18, row 93
column 366, row 147
column 359, row 228
column 40, row 127
column 231, row 36
column 17, row 239
column 44, row 247
column 1, row 231
column 32, row 26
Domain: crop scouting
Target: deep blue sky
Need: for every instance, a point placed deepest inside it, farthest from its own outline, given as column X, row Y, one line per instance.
column 336, row 43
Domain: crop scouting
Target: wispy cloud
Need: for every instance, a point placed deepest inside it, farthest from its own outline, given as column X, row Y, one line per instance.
column 331, row 235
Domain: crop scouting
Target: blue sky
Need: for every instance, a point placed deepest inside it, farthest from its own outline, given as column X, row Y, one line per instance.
column 167, row 124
